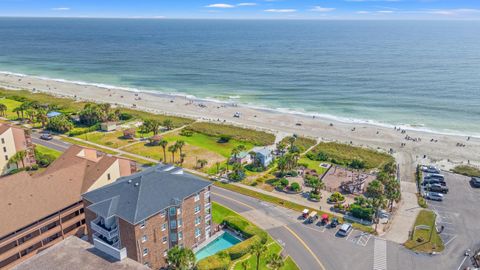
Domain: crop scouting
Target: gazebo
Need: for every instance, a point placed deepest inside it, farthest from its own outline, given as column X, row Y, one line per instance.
column 155, row 139
column 129, row 133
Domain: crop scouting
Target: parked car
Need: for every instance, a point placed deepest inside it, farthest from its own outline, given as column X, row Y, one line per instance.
column 436, row 188
column 434, row 196
column 433, row 181
column 435, row 176
column 430, row 169
column 46, row 136
column 345, row 229
column 475, row 182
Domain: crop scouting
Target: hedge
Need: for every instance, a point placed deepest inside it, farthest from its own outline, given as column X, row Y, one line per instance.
column 241, row 249
column 220, row 261
column 248, row 229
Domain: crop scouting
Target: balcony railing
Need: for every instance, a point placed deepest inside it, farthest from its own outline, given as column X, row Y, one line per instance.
column 112, row 250
column 207, row 206
column 107, row 233
column 208, row 217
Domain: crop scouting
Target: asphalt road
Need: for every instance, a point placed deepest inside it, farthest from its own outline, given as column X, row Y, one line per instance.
column 316, row 247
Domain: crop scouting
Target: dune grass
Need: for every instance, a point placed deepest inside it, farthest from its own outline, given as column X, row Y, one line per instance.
column 425, row 240
column 255, row 137
column 467, row 170
column 344, row 154
column 302, row 143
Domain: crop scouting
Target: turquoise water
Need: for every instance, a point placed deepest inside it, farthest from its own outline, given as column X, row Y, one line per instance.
column 422, row 74
column 225, row 241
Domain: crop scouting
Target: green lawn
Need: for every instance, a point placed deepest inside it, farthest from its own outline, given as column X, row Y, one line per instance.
column 467, row 170
column 11, row 104
column 112, row 139
column 65, row 104
column 290, row 265
column 343, row 154
column 72, row 141
column 273, row 247
column 425, row 240
column 208, row 142
column 313, row 165
column 47, row 151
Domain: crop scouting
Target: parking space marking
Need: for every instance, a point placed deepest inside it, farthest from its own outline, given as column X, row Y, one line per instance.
column 363, row 240
column 348, row 236
column 451, row 239
column 380, row 254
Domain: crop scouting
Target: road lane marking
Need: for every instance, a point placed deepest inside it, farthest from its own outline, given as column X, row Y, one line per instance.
column 380, row 254
column 305, row 246
column 464, row 259
column 239, row 202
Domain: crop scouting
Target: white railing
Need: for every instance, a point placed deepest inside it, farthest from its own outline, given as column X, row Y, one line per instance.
column 208, row 217
column 109, row 234
column 207, row 206
column 116, row 253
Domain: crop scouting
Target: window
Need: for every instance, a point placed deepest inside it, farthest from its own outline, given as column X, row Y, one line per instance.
column 173, row 237
column 197, row 208
column 6, row 157
column 142, row 224
column 147, row 264
column 145, row 251
column 180, row 222
column 179, row 211
column 164, row 240
column 197, row 232
column 108, row 176
column 197, row 198
column 144, row 239
column 164, row 226
column 3, row 140
column 165, row 253
column 198, row 220
column 180, row 235
column 173, row 223
column 4, row 149
column 172, row 211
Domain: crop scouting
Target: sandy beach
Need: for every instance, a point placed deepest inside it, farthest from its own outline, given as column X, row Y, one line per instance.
column 408, row 146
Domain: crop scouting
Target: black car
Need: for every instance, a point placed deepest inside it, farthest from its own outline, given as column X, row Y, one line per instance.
column 436, row 188
column 475, row 181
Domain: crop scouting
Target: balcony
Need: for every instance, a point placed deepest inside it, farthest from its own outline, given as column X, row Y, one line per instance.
column 207, row 206
column 110, row 249
column 208, row 217
column 107, row 233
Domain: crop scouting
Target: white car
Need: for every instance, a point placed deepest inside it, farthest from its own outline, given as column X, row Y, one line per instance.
column 434, row 196
column 345, row 229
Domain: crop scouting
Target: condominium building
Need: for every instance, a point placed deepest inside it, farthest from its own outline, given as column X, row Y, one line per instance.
column 39, row 210
column 143, row 215
column 13, row 140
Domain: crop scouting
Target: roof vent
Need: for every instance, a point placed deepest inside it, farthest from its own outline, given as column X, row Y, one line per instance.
column 137, row 184
column 129, row 181
column 177, row 171
column 169, row 168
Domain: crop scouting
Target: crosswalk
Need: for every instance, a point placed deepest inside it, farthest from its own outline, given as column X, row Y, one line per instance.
column 380, row 254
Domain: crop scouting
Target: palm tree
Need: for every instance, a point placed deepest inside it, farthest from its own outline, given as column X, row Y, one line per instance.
column 19, row 156
column 163, row 144
column 257, row 250
column 172, row 149
column 253, row 156
column 377, row 204
column 42, row 116
column 392, row 192
column 275, row 261
column 291, row 141
column 217, row 165
column 202, row 163
column 282, row 164
column 281, row 148
column 17, row 110
column 182, row 158
column 181, row 258
column 180, row 145
column 168, row 124
column 3, row 109
column 245, row 265
column 235, row 152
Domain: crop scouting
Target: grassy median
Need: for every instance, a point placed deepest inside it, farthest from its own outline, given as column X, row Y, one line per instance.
column 425, row 238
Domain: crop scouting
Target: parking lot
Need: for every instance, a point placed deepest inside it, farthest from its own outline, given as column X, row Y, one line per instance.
column 459, row 215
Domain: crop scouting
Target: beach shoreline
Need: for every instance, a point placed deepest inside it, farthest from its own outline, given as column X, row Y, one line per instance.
column 421, row 145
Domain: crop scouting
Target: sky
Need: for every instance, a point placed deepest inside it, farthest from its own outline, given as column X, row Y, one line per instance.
column 246, row 9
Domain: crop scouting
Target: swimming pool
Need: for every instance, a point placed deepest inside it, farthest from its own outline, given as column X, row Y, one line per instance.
column 224, row 241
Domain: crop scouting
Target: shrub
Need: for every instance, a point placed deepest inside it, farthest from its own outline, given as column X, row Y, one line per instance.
column 284, row 182
column 467, row 170
column 361, row 212
column 60, row 124
column 215, row 262
column 242, row 248
column 336, row 197
column 357, row 164
column 224, row 138
column 125, row 116
column 186, row 133
column 43, row 160
column 80, row 131
column 314, row 196
column 242, row 225
column 295, row 187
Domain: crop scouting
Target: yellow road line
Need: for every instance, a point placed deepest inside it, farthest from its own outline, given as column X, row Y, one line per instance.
column 306, row 247
column 239, row 202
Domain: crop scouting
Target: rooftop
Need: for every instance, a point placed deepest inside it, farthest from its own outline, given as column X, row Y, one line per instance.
column 74, row 253
column 136, row 197
column 26, row 198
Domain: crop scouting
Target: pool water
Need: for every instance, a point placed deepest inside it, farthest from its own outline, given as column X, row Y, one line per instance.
column 224, row 241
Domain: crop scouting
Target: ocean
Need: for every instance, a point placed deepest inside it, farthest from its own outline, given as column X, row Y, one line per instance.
column 418, row 74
